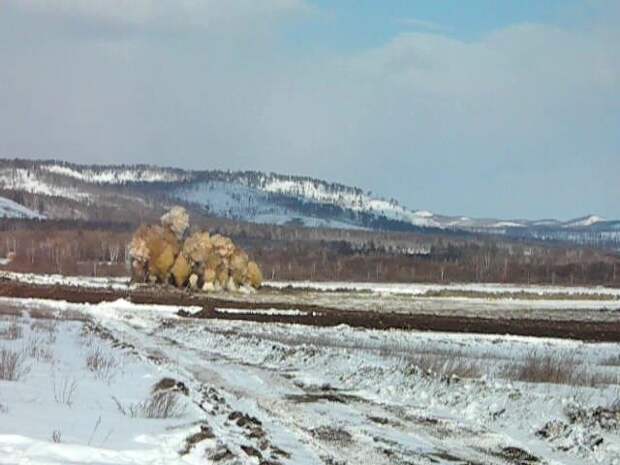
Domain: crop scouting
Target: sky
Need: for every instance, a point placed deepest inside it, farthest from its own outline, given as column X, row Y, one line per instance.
column 505, row 108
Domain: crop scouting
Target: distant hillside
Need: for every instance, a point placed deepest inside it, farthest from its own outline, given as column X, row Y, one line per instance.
column 11, row 209
column 130, row 192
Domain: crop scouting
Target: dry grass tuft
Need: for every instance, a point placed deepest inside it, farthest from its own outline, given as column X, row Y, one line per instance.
column 51, row 315
column 447, row 365
column 38, row 350
column 64, row 390
column 102, row 365
column 332, row 434
column 612, row 361
column 13, row 331
column 47, row 328
column 562, row 368
column 13, row 365
column 160, row 405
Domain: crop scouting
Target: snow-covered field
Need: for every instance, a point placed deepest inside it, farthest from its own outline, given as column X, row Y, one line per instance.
column 60, row 280
column 419, row 289
column 594, row 304
column 285, row 394
column 483, row 300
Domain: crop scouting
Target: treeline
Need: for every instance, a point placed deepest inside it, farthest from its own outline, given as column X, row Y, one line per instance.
column 464, row 263
column 100, row 248
column 90, row 252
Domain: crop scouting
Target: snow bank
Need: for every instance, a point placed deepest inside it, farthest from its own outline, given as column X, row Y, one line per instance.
column 419, row 289
column 270, row 312
column 60, row 280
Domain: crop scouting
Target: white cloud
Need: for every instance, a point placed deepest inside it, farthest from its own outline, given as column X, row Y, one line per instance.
column 468, row 127
column 130, row 11
column 421, row 24
column 509, row 122
column 177, row 15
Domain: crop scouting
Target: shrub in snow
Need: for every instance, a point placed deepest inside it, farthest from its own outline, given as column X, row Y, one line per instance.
column 12, row 331
column 102, row 365
column 45, row 327
column 160, row 405
column 38, row 350
column 332, row 434
column 64, row 390
column 12, row 365
column 565, row 368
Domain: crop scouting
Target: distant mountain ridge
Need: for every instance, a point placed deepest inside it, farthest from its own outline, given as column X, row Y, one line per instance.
column 252, row 196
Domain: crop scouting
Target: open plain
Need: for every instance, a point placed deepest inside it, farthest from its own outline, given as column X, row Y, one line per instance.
column 308, row 373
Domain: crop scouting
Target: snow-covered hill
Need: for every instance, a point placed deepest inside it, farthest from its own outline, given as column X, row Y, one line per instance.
column 114, row 175
column 276, row 199
column 10, row 209
column 242, row 202
column 349, row 198
column 585, row 221
column 267, row 198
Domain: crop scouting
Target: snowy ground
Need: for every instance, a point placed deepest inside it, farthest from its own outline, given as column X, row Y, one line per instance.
column 420, row 289
column 56, row 279
column 485, row 300
column 287, row 394
column 492, row 290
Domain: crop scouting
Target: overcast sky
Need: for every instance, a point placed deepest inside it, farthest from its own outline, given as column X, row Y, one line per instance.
column 480, row 108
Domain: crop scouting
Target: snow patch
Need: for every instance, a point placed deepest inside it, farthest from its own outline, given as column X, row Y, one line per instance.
column 270, row 312
column 116, row 175
column 586, row 221
column 11, row 209
column 26, row 180
column 60, row 280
